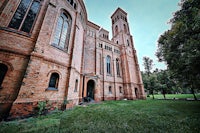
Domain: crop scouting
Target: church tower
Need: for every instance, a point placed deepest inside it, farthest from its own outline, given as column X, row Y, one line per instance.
column 133, row 86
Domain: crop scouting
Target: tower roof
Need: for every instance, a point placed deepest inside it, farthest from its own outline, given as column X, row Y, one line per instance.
column 119, row 10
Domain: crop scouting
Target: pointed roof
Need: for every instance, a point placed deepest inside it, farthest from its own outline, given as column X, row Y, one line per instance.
column 118, row 10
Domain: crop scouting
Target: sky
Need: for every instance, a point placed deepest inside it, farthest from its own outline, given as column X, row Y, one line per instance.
column 148, row 19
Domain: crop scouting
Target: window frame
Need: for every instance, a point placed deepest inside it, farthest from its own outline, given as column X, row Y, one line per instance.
column 116, row 29
column 110, row 90
column 19, row 30
column 68, row 34
column 76, row 85
column 118, row 67
column 120, row 90
column 128, row 43
column 108, row 65
column 55, row 86
column 125, row 28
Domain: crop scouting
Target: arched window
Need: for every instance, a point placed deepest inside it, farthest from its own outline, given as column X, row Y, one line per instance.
column 125, row 29
column 25, row 15
column 53, row 82
column 116, row 29
column 76, row 86
column 117, row 67
column 128, row 43
column 62, row 31
column 108, row 64
column 3, row 71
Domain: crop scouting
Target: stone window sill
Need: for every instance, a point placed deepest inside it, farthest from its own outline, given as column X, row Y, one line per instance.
column 51, row 89
column 60, row 48
column 15, row 31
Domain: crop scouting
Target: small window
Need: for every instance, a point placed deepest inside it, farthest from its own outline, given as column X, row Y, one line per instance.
column 53, row 82
column 75, row 6
column 76, row 86
column 128, row 43
column 25, row 15
column 117, row 42
column 125, row 29
column 110, row 90
column 3, row 71
column 120, row 89
column 108, row 61
column 116, row 29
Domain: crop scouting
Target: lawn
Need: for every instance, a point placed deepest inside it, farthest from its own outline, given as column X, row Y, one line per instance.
column 156, row 116
column 177, row 96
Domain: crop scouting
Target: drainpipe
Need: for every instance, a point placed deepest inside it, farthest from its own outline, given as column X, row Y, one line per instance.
column 103, row 74
column 83, row 86
column 70, row 60
column 114, row 76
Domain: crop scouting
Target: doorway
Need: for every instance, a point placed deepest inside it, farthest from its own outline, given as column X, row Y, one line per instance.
column 90, row 89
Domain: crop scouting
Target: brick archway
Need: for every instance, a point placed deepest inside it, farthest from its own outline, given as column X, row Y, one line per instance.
column 90, row 89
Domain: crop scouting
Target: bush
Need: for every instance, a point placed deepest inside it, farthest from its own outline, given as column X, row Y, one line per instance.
column 42, row 107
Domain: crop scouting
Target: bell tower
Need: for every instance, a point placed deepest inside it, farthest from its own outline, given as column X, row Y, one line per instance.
column 133, row 85
column 120, row 27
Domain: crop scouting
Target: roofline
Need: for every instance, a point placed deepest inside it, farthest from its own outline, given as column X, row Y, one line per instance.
column 103, row 30
column 89, row 23
column 119, row 9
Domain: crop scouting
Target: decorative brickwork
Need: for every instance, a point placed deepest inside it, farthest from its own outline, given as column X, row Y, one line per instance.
column 79, row 64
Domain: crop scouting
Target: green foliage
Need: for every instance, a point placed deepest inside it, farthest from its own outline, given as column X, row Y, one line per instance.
column 179, row 47
column 116, row 116
column 41, row 107
column 148, row 64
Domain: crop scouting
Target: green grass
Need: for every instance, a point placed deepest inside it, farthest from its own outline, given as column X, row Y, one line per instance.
column 156, row 116
column 171, row 96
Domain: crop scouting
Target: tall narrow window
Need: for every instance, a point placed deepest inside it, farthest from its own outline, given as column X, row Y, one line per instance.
column 108, row 64
column 76, row 86
column 3, row 71
column 62, row 31
column 128, row 43
column 117, row 67
column 100, row 64
column 25, row 15
column 53, row 82
column 125, row 29
column 116, row 29
column 110, row 90
column 120, row 89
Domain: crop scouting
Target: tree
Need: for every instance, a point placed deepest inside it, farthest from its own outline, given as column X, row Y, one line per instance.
column 148, row 64
column 149, row 80
column 179, row 47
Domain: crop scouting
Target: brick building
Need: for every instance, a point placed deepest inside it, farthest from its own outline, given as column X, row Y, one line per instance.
column 50, row 51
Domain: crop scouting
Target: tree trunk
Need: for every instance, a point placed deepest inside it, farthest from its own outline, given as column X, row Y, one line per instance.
column 192, row 90
column 164, row 94
column 153, row 95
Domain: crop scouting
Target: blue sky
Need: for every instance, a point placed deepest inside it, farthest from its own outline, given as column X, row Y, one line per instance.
column 147, row 21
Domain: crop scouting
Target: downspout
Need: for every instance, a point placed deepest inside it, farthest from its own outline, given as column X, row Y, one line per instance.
column 103, row 74
column 95, row 55
column 114, row 77
column 70, row 60
column 82, row 65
